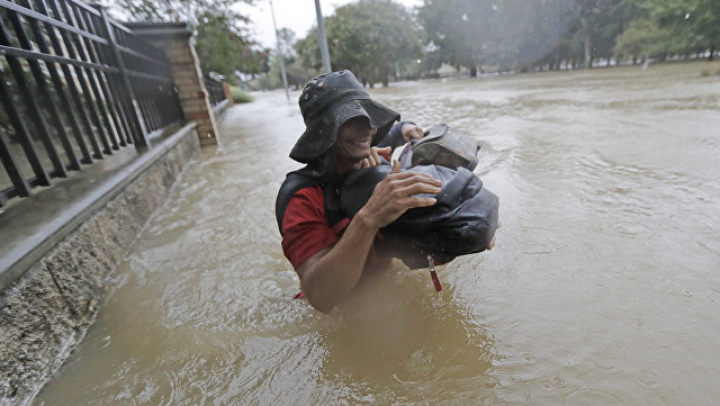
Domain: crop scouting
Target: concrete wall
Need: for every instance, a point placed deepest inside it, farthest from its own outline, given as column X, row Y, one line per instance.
column 45, row 313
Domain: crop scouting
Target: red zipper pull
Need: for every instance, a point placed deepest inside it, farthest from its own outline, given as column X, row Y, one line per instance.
column 433, row 274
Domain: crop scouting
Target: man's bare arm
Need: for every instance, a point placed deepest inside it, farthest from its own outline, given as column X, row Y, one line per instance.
column 328, row 275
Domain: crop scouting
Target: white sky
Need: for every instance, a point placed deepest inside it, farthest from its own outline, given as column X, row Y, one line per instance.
column 298, row 15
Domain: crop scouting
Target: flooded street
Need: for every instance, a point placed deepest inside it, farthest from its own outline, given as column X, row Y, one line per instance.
column 603, row 288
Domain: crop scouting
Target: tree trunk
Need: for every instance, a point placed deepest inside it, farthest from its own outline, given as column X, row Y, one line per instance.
column 557, row 59
column 473, row 71
column 587, row 42
column 712, row 51
column 634, row 59
column 385, row 73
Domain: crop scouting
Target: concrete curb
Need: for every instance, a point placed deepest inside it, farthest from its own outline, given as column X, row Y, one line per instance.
column 52, row 290
column 17, row 257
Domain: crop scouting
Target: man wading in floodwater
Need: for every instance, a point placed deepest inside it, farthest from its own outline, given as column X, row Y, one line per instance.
column 331, row 254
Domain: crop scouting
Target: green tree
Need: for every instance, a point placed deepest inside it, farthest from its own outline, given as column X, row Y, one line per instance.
column 460, row 28
column 219, row 44
column 641, row 37
column 596, row 25
column 692, row 25
column 367, row 37
column 511, row 34
column 222, row 37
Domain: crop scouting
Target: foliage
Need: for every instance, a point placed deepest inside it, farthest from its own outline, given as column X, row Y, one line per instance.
column 510, row 34
column 690, row 24
column 297, row 74
column 461, row 29
column 221, row 35
column 239, row 96
column 368, row 37
column 219, row 44
column 516, row 34
column 641, row 37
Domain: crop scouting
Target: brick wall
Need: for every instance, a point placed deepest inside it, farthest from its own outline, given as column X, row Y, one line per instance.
column 176, row 39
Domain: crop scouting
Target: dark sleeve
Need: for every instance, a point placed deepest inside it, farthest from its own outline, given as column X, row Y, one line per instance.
column 394, row 137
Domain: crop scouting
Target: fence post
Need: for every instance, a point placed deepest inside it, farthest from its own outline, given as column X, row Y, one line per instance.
column 136, row 115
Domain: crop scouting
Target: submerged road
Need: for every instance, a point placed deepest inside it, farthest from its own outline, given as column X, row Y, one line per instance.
column 603, row 288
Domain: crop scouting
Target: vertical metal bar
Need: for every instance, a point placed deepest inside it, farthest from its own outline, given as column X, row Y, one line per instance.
column 115, row 83
column 114, row 131
column 136, row 115
column 132, row 65
column 152, row 107
column 75, row 95
column 23, row 134
column 179, row 113
column 125, row 104
column 90, row 120
column 12, row 169
column 57, row 81
column 31, row 102
column 42, row 88
column 106, row 82
column 88, row 85
column 142, row 90
column 84, row 52
column 281, row 58
column 322, row 40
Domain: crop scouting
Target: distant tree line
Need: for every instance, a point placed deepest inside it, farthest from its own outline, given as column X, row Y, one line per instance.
column 381, row 39
column 378, row 38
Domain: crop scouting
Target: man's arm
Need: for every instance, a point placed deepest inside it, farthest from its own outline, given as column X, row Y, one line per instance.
column 400, row 133
column 331, row 273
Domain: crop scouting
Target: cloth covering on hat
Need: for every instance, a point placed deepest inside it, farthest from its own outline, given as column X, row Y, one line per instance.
column 326, row 103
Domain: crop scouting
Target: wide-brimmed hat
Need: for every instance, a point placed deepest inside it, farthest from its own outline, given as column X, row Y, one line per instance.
column 326, row 103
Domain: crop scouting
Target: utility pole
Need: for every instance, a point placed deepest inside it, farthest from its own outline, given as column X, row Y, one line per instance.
column 280, row 54
column 321, row 38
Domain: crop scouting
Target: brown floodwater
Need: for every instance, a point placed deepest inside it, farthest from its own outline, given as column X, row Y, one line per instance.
column 603, row 288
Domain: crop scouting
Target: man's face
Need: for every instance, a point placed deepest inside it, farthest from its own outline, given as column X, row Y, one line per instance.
column 354, row 139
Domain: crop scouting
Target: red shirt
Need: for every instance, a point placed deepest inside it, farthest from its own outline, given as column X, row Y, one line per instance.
column 306, row 230
column 305, row 227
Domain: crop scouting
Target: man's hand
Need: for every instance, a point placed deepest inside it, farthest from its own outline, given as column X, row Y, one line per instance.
column 395, row 194
column 411, row 132
column 374, row 158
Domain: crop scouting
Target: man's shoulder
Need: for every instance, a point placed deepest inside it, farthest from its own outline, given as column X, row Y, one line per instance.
column 296, row 184
column 312, row 192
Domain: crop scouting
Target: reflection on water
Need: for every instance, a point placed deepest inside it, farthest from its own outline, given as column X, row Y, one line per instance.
column 603, row 288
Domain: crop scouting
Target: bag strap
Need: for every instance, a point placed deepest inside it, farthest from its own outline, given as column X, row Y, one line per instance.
column 295, row 182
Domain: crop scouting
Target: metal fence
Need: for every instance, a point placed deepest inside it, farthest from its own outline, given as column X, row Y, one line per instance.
column 75, row 86
column 215, row 91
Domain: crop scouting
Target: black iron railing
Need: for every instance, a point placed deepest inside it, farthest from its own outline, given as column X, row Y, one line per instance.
column 215, row 91
column 75, row 86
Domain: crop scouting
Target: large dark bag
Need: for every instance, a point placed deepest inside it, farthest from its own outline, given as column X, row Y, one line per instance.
column 463, row 221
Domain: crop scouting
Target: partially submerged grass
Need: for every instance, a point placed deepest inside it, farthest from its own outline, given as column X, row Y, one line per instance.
column 239, row 96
